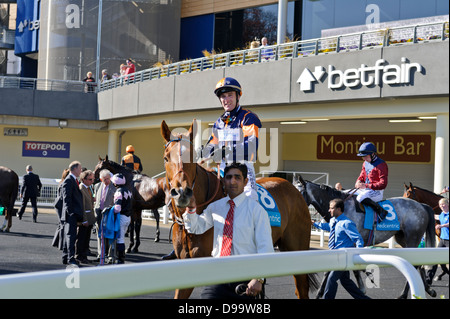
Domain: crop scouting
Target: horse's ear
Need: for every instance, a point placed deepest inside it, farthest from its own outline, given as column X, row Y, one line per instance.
column 165, row 131
column 301, row 180
column 193, row 129
column 106, row 158
column 411, row 185
column 100, row 159
column 406, row 186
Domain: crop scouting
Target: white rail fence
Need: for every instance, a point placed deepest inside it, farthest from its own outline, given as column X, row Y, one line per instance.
column 144, row 278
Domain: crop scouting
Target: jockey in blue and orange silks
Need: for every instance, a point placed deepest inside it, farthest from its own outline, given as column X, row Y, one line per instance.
column 234, row 135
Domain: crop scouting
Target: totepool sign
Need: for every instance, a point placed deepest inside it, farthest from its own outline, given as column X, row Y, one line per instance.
column 46, row 149
column 380, row 73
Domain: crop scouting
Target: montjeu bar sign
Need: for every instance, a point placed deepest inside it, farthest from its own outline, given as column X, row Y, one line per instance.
column 394, row 148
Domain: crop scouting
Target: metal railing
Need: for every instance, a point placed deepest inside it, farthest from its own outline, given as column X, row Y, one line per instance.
column 13, row 82
column 149, row 277
column 335, row 44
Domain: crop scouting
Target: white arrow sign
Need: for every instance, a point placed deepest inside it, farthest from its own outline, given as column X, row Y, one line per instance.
column 305, row 80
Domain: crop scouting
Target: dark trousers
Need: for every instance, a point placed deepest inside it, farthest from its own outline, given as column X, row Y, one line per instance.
column 224, row 291
column 82, row 244
column 33, row 205
column 70, row 237
column 344, row 277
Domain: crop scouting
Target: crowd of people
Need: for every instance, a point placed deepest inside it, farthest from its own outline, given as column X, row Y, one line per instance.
column 240, row 223
column 126, row 68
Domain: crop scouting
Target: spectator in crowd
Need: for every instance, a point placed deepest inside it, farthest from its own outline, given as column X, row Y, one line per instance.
column 266, row 53
column 30, row 190
column 90, row 83
column 444, row 239
column 123, row 69
column 72, row 211
column 85, row 227
column 104, row 197
column 58, row 238
column 105, row 75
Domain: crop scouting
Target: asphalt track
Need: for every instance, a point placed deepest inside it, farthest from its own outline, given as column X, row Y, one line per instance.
column 27, row 248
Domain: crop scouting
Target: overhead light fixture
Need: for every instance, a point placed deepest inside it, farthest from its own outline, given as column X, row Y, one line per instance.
column 293, row 122
column 62, row 123
column 405, row 121
column 428, row 117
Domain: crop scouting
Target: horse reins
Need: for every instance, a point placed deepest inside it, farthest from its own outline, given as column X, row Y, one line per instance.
column 181, row 170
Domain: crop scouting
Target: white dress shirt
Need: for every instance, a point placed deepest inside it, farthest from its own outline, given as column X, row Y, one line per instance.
column 251, row 227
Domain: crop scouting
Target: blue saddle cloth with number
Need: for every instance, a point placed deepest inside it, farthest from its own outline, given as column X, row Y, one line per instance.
column 268, row 203
column 389, row 223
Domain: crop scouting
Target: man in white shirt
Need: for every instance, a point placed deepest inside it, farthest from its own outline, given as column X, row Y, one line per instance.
column 249, row 227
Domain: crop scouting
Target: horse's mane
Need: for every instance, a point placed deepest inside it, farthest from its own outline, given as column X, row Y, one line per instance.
column 427, row 191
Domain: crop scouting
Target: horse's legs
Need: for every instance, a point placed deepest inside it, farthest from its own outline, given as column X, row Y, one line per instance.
column 359, row 280
column 131, row 236
column 137, row 231
column 156, row 215
column 301, row 286
column 183, row 293
column 427, row 286
column 319, row 294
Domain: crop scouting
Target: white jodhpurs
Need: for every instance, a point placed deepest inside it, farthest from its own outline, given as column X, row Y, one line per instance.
column 375, row 195
column 124, row 223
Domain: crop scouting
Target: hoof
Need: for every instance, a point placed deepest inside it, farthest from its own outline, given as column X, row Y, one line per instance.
column 135, row 250
column 157, row 239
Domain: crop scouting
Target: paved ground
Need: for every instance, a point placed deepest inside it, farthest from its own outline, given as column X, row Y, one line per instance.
column 27, row 248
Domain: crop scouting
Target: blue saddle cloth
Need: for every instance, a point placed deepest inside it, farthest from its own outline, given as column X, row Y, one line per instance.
column 268, row 203
column 389, row 223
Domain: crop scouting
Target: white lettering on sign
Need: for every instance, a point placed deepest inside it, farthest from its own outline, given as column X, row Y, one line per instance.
column 29, row 24
column 380, row 73
column 73, row 16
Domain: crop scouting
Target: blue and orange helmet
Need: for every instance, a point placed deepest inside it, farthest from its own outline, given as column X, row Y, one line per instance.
column 226, row 85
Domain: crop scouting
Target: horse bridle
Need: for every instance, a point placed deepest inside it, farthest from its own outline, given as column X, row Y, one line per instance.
column 179, row 139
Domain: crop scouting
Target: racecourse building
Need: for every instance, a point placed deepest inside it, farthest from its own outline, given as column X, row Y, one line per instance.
column 349, row 72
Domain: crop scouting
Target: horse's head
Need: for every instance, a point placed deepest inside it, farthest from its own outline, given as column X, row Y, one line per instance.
column 409, row 191
column 180, row 164
column 102, row 164
column 318, row 195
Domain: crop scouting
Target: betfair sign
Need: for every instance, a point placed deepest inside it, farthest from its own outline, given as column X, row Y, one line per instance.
column 380, row 73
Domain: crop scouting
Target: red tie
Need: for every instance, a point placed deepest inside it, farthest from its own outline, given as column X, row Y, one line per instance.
column 228, row 232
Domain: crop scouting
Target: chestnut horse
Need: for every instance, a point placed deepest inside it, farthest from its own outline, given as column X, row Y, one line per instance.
column 9, row 188
column 186, row 178
column 148, row 193
column 424, row 196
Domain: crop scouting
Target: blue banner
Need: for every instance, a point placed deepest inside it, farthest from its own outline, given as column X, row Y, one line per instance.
column 27, row 26
column 46, row 149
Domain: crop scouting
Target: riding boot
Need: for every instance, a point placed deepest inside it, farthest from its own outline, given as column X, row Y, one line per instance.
column 121, row 253
column 381, row 212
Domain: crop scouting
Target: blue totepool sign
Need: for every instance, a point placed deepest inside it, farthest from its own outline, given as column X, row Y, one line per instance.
column 27, row 26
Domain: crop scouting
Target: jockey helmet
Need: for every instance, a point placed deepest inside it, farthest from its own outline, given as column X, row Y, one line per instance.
column 118, row 179
column 227, row 85
column 367, row 149
column 130, row 149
